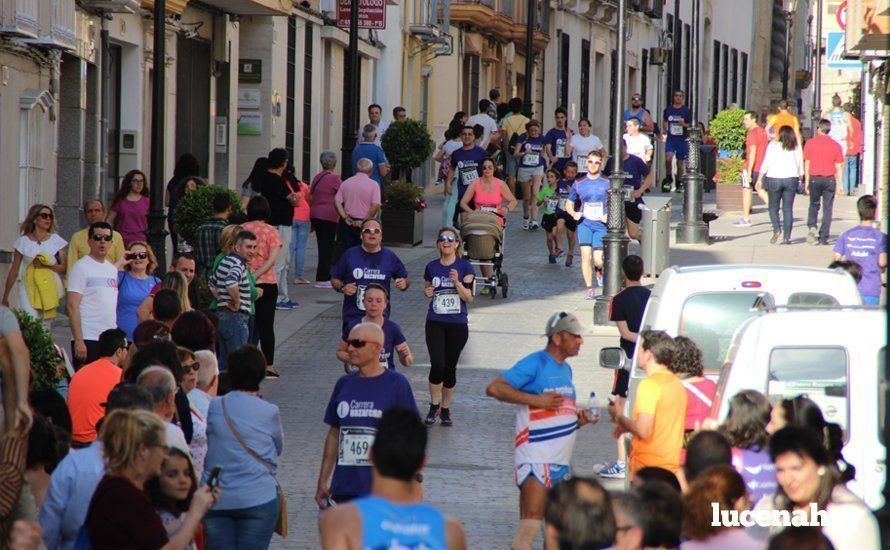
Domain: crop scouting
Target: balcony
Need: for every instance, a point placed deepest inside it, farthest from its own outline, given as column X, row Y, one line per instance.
column 57, row 24
column 19, row 18
column 174, row 7
column 113, row 6
column 503, row 19
column 252, row 7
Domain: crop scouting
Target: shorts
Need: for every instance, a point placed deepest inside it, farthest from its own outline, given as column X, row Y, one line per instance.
column 633, row 212
column 525, row 173
column 587, row 236
column 548, row 222
column 622, row 379
column 548, row 475
column 677, row 146
column 754, row 176
column 512, row 165
column 571, row 223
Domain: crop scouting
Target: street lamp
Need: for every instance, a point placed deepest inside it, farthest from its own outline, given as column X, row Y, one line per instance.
column 789, row 17
column 817, row 70
column 156, row 233
column 615, row 241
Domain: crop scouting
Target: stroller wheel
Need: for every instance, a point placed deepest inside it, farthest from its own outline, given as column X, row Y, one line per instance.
column 504, row 284
column 494, row 288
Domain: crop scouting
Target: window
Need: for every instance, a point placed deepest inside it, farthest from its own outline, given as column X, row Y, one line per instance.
column 669, row 81
column 743, row 95
column 811, row 299
column 585, row 77
column 644, row 80
column 33, row 111
column 734, row 80
column 725, row 76
column 307, row 102
column 564, row 43
column 715, row 81
column 471, row 83
column 290, row 101
column 687, row 54
column 711, row 319
column 818, row 373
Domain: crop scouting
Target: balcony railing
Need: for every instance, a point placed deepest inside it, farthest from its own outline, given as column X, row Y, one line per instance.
column 57, row 26
column 19, row 18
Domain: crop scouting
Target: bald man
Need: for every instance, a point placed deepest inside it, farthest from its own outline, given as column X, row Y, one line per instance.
column 358, row 401
column 357, row 199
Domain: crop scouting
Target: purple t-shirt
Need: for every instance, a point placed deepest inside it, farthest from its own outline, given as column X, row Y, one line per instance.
column 362, row 268
column 355, row 408
column 533, row 149
column 132, row 219
column 446, row 306
column 467, row 166
column 863, row 245
column 757, row 470
column 673, row 117
column 323, row 190
column 392, row 337
column 592, row 193
column 557, row 140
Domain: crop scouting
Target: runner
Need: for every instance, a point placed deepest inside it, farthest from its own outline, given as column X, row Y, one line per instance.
column 361, row 265
column 448, row 281
column 546, row 420
column 558, row 140
column 565, row 223
column 676, row 120
column 530, row 152
column 547, row 200
column 591, row 191
column 466, row 163
column 640, row 113
column 638, row 144
column 583, row 143
column 641, row 180
column 358, row 401
column 376, row 301
column 392, row 516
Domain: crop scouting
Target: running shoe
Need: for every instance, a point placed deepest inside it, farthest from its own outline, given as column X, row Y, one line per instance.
column 323, row 284
column 666, row 184
column 744, row 222
column 823, row 242
column 558, row 252
column 287, row 305
column 589, row 295
column 432, row 415
column 445, row 417
column 534, row 226
column 614, row 471
column 551, row 258
column 774, row 239
column 599, row 278
column 525, row 224
column 272, row 373
column 569, row 260
column 812, row 238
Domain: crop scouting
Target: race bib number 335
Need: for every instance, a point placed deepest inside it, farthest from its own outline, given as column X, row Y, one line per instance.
column 355, row 446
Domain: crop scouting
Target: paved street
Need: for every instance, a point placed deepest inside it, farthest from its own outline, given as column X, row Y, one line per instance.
column 469, row 472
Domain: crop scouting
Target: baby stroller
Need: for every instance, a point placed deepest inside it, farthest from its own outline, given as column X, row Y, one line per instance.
column 483, row 245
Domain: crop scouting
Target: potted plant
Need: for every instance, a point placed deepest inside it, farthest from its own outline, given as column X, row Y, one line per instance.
column 44, row 359
column 407, row 144
column 196, row 206
column 729, row 183
column 729, row 132
column 402, row 216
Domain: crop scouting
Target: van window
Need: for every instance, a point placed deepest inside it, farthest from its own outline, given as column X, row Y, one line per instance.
column 711, row 319
column 811, row 299
column 883, row 390
column 818, row 373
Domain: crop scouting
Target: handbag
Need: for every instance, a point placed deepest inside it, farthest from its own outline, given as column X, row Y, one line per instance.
column 281, row 524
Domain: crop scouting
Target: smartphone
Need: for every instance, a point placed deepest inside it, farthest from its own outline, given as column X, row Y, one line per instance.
column 213, row 480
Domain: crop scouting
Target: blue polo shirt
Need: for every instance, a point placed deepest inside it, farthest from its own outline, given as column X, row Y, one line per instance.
column 373, row 152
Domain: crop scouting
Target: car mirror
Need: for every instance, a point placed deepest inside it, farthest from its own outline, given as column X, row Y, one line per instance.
column 613, row 358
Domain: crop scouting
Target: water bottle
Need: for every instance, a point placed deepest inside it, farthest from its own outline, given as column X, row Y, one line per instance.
column 593, row 407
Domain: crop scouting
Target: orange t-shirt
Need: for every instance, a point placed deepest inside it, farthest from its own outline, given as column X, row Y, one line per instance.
column 783, row 119
column 662, row 395
column 267, row 241
column 87, row 392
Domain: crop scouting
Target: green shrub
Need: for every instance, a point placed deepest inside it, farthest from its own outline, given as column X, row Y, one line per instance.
column 407, row 144
column 196, row 206
column 44, row 360
column 729, row 170
column 402, row 195
column 728, row 130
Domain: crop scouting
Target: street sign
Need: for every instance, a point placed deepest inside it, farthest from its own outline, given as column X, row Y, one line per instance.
column 841, row 15
column 834, row 50
column 371, row 14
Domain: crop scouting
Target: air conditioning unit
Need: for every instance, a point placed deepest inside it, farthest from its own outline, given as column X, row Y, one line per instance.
column 115, row 6
column 658, row 56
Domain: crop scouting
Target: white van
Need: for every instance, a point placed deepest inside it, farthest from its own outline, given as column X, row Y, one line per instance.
column 837, row 358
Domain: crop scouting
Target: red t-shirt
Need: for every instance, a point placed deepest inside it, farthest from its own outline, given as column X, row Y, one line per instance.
column 757, row 136
column 823, row 153
column 854, row 137
column 87, row 393
column 697, row 408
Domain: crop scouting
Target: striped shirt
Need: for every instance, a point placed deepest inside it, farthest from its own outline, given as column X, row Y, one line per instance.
column 231, row 271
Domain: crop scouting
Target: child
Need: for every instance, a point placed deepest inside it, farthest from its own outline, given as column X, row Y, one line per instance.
column 866, row 246
column 171, row 492
column 547, row 200
column 566, row 224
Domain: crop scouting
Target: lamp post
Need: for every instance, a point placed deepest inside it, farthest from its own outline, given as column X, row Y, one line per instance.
column 693, row 230
column 817, row 70
column 350, row 98
column 157, row 236
column 615, row 241
column 531, row 9
column 789, row 17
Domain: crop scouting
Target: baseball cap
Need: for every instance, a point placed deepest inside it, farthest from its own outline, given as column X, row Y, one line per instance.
column 563, row 322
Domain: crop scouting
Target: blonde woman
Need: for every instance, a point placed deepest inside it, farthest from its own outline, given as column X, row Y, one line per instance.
column 134, row 283
column 177, row 282
column 121, row 515
column 38, row 238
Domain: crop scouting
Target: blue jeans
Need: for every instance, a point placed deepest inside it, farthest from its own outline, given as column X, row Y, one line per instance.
column 242, row 528
column 232, row 333
column 782, row 189
column 299, row 237
column 851, row 173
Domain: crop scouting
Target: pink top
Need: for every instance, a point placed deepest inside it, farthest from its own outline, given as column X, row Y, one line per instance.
column 698, row 400
column 267, row 240
column 301, row 210
column 323, row 189
column 488, row 202
column 132, row 219
column 358, row 194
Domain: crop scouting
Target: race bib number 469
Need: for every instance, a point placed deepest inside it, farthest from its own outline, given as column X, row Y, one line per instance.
column 355, row 446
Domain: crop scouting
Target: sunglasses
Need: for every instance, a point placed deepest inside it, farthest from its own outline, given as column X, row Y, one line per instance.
column 46, row 215
column 371, row 230
column 359, row 344
column 635, row 99
column 446, row 239
column 137, row 255
column 106, row 238
column 194, row 366
column 594, row 161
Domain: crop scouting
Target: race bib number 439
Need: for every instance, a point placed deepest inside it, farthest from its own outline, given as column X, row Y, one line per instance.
column 446, row 303
column 355, row 446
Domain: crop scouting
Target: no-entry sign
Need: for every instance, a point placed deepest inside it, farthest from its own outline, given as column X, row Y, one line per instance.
column 371, row 14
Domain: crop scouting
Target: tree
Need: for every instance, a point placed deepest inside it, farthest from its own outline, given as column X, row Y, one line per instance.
column 407, row 144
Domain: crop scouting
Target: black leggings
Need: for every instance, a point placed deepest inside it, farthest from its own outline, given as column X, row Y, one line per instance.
column 264, row 320
column 445, row 341
column 325, row 232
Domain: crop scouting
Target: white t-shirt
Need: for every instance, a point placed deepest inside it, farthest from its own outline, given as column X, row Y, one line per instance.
column 98, row 285
column 780, row 163
column 581, row 147
column 488, row 125
column 638, row 145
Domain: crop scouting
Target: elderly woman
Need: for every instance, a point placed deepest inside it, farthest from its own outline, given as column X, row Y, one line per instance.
column 121, row 514
column 134, row 282
column 245, row 436
column 323, row 215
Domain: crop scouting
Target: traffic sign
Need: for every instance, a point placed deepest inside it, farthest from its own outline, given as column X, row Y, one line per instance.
column 371, row 14
column 841, row 15
column 834, row 49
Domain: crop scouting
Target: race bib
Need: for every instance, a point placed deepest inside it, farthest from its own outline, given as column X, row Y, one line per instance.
column 492, row 209
column 560, row 149
column 531, row 158
column 446, row 303
column 581, row 161
column 676, row 130
column 552, row 204
column 592, row 211
column 360, row 297
column 561, row 203
column 355, row 446
column 468, row 176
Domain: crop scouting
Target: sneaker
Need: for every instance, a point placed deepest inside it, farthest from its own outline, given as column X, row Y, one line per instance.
column 614, row 471
column 272, row 373
column 534, row 226
column 589, row 294
column 432, row 415
column 445, row 417
column 744, row 222
column 811, row 236
column 774, row 239
column 323, row 284
column 599, row 278
column 558, row 252
column 666, row 184
column 823, row 242
column 551, row 258
column 525, row 224
column 287, row 305
column 569, row 260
